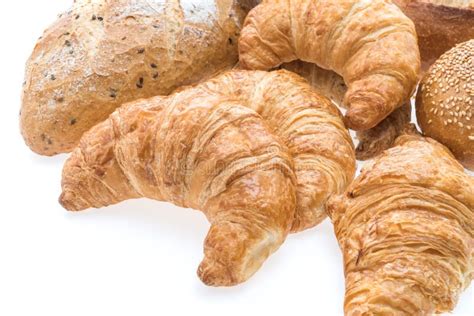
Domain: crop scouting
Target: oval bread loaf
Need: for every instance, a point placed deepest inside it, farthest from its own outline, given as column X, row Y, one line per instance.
column 103, row 53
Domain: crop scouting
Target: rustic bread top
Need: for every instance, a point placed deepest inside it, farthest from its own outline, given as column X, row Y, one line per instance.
column 103, row 53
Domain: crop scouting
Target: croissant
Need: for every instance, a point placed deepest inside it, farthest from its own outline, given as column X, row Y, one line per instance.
column 372, row 142
column 207, row 148
column 406, row 229
column 371, row 44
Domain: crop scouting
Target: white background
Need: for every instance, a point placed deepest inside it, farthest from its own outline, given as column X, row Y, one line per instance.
column 137, row 258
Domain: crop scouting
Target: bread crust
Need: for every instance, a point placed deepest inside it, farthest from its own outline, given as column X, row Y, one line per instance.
column 445, row 102
column 101, row 54
column 440, row 25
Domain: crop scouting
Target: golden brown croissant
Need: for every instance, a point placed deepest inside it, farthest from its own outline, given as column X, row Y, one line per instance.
column 373, row 141
column 205, row 149
column 371, row 44
column 406, row 229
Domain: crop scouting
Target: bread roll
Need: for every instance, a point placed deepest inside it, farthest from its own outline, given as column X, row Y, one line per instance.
column 101, row 54
column 444, row 103
column 440, row 25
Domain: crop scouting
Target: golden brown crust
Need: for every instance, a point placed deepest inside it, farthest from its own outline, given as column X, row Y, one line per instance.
column 371, row 44
column 102, row 54
column 440, row 25
column 204, row 153
column 406, row 229
column 445, row 102
column 372, row 142
column 208, row 148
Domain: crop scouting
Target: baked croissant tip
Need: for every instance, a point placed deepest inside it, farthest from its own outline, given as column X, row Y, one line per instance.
column 359, row 116
column 69, row 202
column 215, row 274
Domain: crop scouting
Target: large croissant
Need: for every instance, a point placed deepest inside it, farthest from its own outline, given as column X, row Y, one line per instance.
column 371, row 44
column 207, row 148
column 406, row 229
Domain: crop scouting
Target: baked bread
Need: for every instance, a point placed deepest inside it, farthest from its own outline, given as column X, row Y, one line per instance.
column 440, row 25
column 444, row 103
column 371, row 142
column 208, row 148
column 371, row 44
column 103, row 53
column 406, row 229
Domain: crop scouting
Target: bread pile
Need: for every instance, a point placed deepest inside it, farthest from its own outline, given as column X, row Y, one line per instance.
column 144, row 96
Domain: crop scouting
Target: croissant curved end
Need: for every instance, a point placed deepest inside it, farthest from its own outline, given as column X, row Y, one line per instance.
column 362, row 115
column 70, row 202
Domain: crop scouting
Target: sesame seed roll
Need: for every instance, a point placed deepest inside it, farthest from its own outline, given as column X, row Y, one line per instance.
column 444, row 102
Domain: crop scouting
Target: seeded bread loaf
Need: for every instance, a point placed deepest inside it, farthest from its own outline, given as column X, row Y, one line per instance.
column 445, row 102
column 103, row 53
